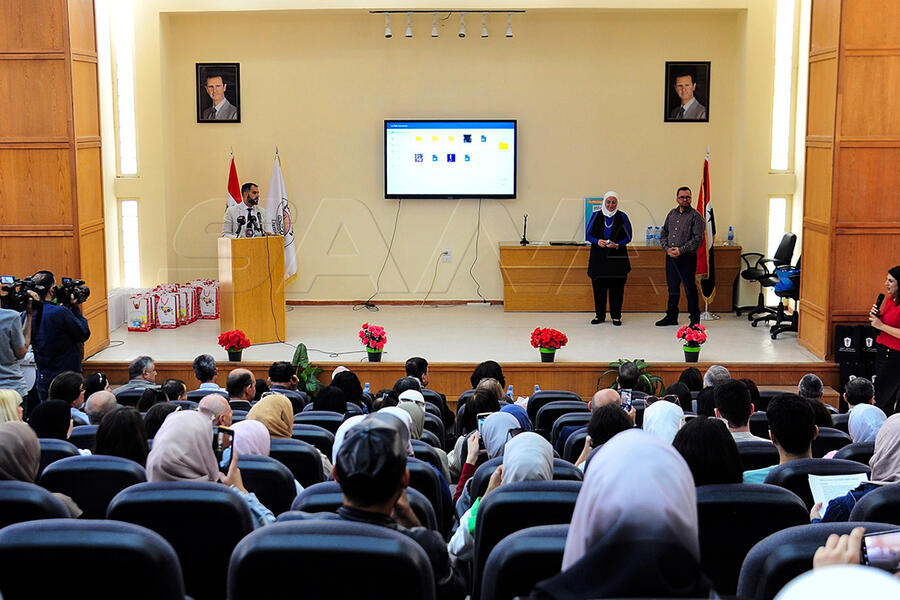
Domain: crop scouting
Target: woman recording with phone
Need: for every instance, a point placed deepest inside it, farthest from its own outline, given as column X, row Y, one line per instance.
column 886, row 319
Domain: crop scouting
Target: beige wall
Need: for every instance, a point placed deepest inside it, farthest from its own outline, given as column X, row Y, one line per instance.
column 585, row 86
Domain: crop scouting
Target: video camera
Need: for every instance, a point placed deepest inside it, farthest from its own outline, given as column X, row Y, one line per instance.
column 16, row 295
column 69, row 288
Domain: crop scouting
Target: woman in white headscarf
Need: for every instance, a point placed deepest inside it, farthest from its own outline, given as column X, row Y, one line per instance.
column 526, row 457
column 252, row 438
column 495, row 432
column 663, row 419
column 341, row 433
column 865, row 421
column 637, row 516
column 608, row 231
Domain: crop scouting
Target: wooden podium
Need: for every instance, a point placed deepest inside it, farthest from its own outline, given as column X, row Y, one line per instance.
column 251, row 287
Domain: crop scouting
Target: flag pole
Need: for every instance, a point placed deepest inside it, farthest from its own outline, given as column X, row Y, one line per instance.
column 706, row 315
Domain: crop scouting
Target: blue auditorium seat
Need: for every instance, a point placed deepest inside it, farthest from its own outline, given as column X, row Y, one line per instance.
column 92, row 481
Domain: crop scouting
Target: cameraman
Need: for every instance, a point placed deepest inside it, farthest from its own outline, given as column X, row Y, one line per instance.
column 58, row 337
column 15, row 337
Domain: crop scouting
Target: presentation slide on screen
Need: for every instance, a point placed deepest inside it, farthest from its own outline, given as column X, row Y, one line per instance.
column 450, row 158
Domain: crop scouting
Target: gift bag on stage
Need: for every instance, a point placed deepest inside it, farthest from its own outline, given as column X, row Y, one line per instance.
column 209, row 301
column 167, row 310
column 140, row 315
column 183, row 310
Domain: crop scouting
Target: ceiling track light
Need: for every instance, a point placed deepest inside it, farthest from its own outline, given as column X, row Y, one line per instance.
column 462, row 25
column 408, row 25
column 388, row 34
column 509, row 32
column 484, row 31
column 434, row 30
column 387, row 26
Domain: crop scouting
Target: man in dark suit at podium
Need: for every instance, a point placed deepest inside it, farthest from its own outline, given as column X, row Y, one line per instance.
column 245, row 220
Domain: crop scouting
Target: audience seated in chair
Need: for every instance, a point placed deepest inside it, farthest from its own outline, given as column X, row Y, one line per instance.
column 663, row 419
column 792, row 428
column 348, row 382
column 283, row 380
column 98, row 404
column 205, row 370
column 599, row 399
column 706, row 400
column 485, row 400
column 685, row 400
column 154, row 418
column 277, row 414
column 489, row 369
column 69, row 387
column 217, row 409
column 182, row 451
column 241, row 386
column 121, row 433
column 606, row 421
column 141, row 374
column 734, row 406
column 52, row 419
column 495, row 432
column 417, row 414
column 149, row 397
column 865, row 418
column 636, row 516
column 251, row 438
column 692, row 378
column 95, row 382
column 417, row 367
column 885, row 465
column 811, row 388
column 175, row 389
column 10, row 406
column 709, row 449
column 20, row 458
column 330, row 398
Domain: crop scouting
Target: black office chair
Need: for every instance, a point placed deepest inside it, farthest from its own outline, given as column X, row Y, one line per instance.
column 328, row 497
column 515, row 506
column 757, row 455
column 794, row 475
column 551, row 411
column 83, row 436
column 386, row 564
column 521, row 560
column 761, row 269
column 881, row 505
column 203, row 521
column 784, row 555
column 135, row 559
column 542, row 397
column 92, row 481
column 860, row 452
column 842, row 422
column 578, row 419
column 733, row 518
column 829, row 439
column 21, row 501
column 323, row 418
column 785, row 281
column 435, row 426
column 574, row 445
column 270, row 480
column 319, row 437
column 787, row 291
column 301, row 458
column 562, row 471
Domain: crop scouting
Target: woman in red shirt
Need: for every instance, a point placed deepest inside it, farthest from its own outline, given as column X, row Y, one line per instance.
column 887, row 367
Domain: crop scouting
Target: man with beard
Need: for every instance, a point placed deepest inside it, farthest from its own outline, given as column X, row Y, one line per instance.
column 245, row 219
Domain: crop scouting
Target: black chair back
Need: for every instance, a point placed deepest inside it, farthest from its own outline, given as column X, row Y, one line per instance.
column 53, row 450
column 319, row 437
column 784, row 555
column 328, row 497
column 573, row 419
column 795, row 474
column 202, row 520
column 829, row 439
column 270, row 480
column 198, row 395
column 562, row 471
column 551, row 411
column 424, row 451
column 432, row 440
column 435, row 426
column 860, row 452
column 757, row 455
column 298, row 399
column 83, row 436
column 881, row 505
column 784, row 254
column 522, row 559
column 301, row 458
column 462, row 399
column 323, row 418
column 842, row 422
column 759, row 424
column 387, row 565
column 92, row 481
column 515, row 506
column 21, row 501
column 424, row 478
column 733, row 518
column 542, row 397
column 129, row 397
column 239, row 405
column 137, row 560
column 186, row 404
column 574, row 445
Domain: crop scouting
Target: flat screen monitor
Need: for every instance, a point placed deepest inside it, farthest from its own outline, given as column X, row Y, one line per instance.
column 450, row 159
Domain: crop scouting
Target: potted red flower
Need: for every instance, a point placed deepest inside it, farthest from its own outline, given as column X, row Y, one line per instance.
column 694, row 336
column 548, row 341
column 234, row 342
column 373, row 338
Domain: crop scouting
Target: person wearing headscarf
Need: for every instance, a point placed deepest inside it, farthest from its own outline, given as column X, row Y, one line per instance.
column 341, row 433
column 276, row 412
column 886, row 319
column 20, row 458
column 520, row 414
column 609, row 232
column 52, row 419
column 885, row 465
column 526, row 457
column 494, row 433
column 251, row 438
column 418, row 427
column 841, row 581
column 864, row 422
column 663, row 419
column 637, row 517
column 407, row 421
column 10, row 406
column 182, row 451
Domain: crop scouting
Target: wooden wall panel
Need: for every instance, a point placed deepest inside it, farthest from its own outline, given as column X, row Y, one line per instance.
column 99, row 325
column 32, row 25
column 820, row 115
column 869, row 85
column 81, row 26
column 816, row 256
column 817, row 204
column 23, row 255
column 871, row 24
column 855, row 288
column 93, row 266
column 90, row 184
column 35, row 187
column 32, row 105
column 87, row 100
column 813, row 331
column 861, row 190
column 825, row 25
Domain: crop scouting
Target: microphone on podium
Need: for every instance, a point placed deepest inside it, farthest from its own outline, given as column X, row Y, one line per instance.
column 240, row 221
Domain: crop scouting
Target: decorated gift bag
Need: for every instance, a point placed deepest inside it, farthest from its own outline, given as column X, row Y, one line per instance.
column 140, row 313
column 167, row 310
column 209, row 301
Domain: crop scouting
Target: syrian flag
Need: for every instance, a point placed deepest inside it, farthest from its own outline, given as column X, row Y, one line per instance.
column 706, row 264
column 234, row 186
column 278, row 212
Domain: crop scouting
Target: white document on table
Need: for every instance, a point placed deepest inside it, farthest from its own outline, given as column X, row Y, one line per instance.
column 826, row 488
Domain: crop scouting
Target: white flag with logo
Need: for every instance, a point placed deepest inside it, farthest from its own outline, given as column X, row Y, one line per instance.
column 278, row 212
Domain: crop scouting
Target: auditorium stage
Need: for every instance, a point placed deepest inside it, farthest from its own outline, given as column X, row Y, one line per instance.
column 455, row 338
